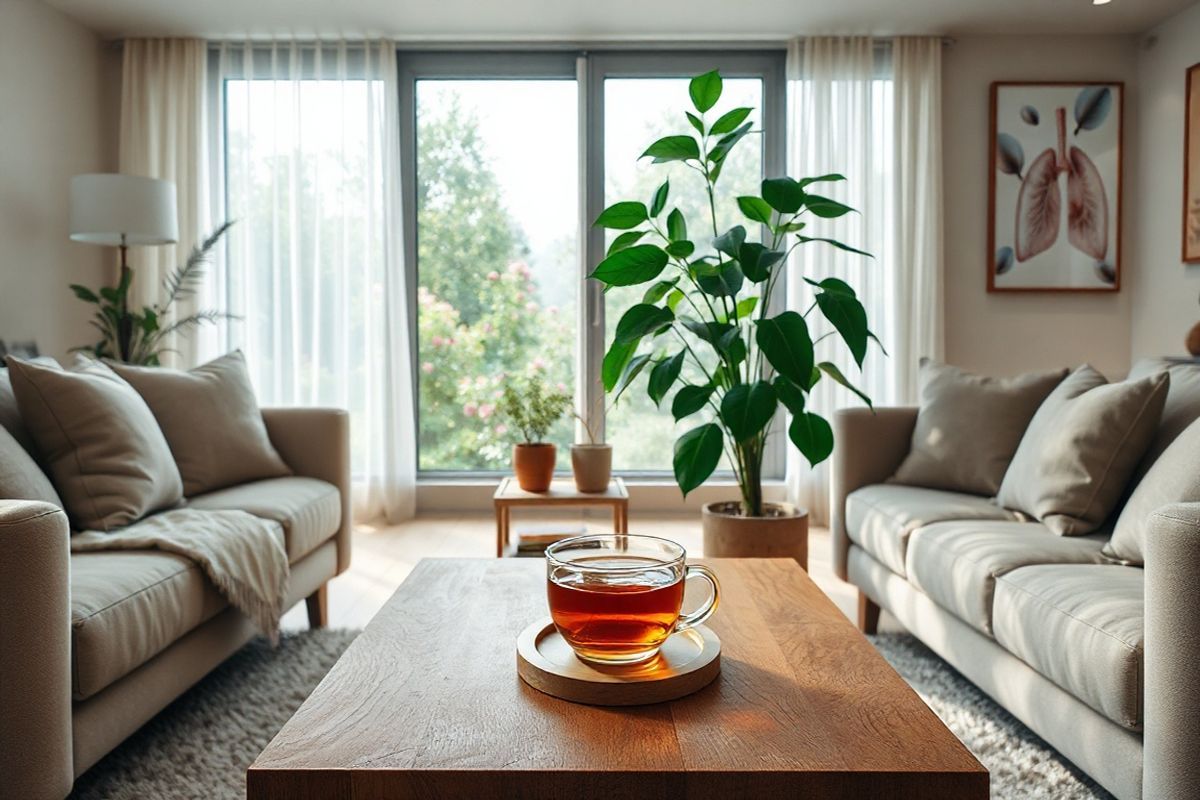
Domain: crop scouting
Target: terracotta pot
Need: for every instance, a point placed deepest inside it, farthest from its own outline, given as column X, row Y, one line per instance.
column 534, row 465
column 592, row 465
column 1193, row 340
column 783, row 533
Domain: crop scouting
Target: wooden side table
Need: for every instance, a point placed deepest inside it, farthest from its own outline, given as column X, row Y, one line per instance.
column 561, row 493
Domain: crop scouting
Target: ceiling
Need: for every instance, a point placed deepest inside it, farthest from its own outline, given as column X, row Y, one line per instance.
column 582, row 20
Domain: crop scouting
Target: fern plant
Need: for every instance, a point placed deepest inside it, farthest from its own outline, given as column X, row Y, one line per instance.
column 140, row 336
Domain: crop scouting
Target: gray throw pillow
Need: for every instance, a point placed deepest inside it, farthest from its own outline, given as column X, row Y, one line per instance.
column 1081, row 448
column 10, row 415
column 211, row 420
column 1174, row 478
column 969, row 426
column 1182, row 407
column 99, row 442
column 20, row 476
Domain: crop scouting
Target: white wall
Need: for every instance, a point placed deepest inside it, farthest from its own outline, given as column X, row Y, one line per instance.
column 1000, row 334
column 58, row 117
column 1164, row 290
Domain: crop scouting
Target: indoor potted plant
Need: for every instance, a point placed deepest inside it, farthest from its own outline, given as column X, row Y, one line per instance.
column 706, row 322
column 531, row 408
column 591, row 463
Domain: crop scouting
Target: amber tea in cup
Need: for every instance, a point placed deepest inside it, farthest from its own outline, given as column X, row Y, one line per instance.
column 615, row 598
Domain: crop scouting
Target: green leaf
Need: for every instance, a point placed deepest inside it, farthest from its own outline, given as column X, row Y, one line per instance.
column 659, row 290
column 680, row 249
column 705, row 91
column 696, row 455
column 824, row 207
column 757, row 261
column 830, row 369
column 673, row 148
column 696, row 122
column 631, row 266
column 833, row 176
column 729, row 121
column 110, row 294
column 792, row 227
column 849, row 318
column 836, row 244
column 718, row 280
column 614, row 363
column 875, row 339
column 747, row 408
column 832, row 285
column 663, row 376
column 746, row 307
column 783, row 194
column 676, row 226
column 623, row 215
column 84, row 293
column 149, row 320
column 660, row 198
column 791, row 395
column 641, row 320
column 674, row 298
column 731, row 346
column 725, row 144
column 623, row 240
column 812, row 436
column 730, row 242
column 690, row 399
column 785, row 342
column 710, row 332
column 632, row 370
column 755, row 208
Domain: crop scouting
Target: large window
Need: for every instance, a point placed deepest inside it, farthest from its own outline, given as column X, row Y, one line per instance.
column 508, row 159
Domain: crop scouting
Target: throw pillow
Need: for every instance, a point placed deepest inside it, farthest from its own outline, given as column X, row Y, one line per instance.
column 20, row 476
column 10, row 415
column 969, row 426
column 1081, row 448
column 1174, row 478
column 211, row 420
column 1182, row 407
column 99, row 442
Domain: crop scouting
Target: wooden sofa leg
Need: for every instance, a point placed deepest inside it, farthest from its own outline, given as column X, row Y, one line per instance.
column 868, row 614
column 318, row 607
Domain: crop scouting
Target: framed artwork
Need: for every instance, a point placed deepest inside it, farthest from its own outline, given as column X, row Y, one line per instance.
column 1054, row 206
column 1191, row 167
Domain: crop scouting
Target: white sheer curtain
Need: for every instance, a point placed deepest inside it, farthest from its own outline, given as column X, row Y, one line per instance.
column 309, row 136
column 162, row 135
column 869, row 110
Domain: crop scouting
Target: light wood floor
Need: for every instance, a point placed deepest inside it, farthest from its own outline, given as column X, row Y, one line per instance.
column 383, row 556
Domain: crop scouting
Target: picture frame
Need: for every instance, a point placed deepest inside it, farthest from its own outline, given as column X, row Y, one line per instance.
column 1191, row 167
column 1055, row 186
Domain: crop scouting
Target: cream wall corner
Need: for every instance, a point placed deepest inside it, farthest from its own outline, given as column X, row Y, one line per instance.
column 59, row 92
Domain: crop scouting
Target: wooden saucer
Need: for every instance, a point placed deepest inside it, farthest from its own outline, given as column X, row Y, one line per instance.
column 688, row 661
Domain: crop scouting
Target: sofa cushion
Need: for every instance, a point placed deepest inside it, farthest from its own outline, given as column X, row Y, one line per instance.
column 1081, row 449
column 956, row 563
column 20, row 476
column 969, row 426
column 128, row 606
column 1082, row 627
column 1181, row 409
column 310, row 510
column 211, row 421
column 99, row 442
column 10, row 414
column 880, row 518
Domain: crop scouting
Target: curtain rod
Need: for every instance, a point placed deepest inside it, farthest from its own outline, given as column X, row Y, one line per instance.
column 552, row 44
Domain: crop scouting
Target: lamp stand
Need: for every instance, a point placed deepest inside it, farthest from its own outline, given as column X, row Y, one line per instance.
column 124, row 323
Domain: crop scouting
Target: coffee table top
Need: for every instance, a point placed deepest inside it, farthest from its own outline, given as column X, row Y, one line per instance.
column 427, row 703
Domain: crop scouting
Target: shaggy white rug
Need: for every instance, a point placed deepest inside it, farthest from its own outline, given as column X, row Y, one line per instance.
column 200, row 746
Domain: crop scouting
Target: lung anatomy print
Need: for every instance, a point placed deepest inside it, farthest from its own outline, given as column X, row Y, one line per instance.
column 1055, row 218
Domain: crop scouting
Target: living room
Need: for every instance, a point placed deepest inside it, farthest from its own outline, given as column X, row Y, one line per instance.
column 546, row 400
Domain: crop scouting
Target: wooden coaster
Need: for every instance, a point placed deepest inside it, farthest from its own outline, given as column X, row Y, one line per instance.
column 687, row 662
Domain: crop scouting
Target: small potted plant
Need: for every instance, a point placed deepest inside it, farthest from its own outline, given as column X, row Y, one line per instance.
column 532, row 409
column 591, row 463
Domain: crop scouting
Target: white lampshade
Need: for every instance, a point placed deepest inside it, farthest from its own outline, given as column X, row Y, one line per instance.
column 123, row 209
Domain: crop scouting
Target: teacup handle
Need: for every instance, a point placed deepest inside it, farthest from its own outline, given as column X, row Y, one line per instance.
column 705, row 611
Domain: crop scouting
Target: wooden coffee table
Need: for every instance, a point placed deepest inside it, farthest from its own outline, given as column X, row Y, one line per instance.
column 426, row 703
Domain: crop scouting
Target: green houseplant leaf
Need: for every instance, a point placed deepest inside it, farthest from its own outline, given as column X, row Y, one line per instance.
column 747, row 408
column 615, row 359
column 672, row 148
column 631, row 266
column 663, row 376
column 623, row 215
column 785, row 195
column 631, row 371
column 690, row 399
column 849, row 317
column 641, row 320
column 696, row 455
column 660, row 198
column 705, row 90
column 626, row 239
column 812, row 436
column 785, row 341
column 755, row 208
column 729, row 121
column 833, row 372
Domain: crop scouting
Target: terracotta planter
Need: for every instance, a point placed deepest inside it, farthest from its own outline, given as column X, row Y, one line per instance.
column 1193, row 340
column 781, row 534
column 592, row 465
column 534, row 465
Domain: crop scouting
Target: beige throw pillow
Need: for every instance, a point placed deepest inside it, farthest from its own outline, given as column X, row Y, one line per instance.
column 969, row 426
column 1081, row 448
column 99, row 442
column 20, row 476
column 1174, row 478
column 211, row 420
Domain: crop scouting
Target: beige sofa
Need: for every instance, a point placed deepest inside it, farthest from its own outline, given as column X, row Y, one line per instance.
column 95, row 644
column 1099, row 659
